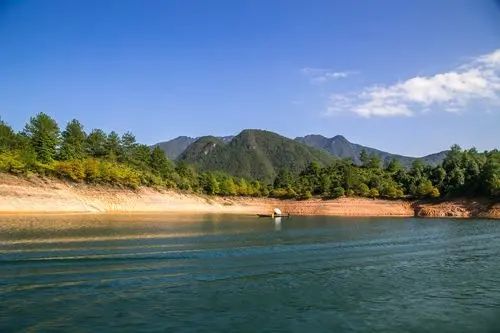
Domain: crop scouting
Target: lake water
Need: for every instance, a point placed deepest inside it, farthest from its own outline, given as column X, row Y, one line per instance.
column 244, row 274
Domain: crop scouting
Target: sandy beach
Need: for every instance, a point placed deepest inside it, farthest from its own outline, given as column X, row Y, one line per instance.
column 38, row 195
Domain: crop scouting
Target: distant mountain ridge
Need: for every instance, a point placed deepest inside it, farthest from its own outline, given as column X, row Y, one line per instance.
column 254, row 154
column 340, row 147
column 175, row 147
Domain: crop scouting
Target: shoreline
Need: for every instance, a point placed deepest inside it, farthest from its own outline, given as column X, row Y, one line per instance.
column 23, row 196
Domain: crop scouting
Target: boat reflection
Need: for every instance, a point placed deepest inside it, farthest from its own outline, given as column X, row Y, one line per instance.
column 277, row 223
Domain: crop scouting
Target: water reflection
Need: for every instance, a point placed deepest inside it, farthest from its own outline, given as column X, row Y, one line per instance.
column 277, row 223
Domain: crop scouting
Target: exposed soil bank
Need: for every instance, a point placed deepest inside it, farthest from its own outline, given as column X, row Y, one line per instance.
column 36, row 195
column 458, row 208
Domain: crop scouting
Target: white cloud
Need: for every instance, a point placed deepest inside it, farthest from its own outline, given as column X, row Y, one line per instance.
column 322, row 75
column 475, row 83
column 492, row 59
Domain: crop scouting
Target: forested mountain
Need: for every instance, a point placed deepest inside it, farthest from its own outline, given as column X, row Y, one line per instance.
column 339, row 146
column 173, row 148
column 255, row 154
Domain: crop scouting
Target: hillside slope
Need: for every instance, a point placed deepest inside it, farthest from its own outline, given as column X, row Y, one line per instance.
column 173, row 148
column 254, row 154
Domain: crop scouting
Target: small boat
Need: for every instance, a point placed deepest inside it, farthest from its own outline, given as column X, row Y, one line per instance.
column 276, row 213
column 273, row 215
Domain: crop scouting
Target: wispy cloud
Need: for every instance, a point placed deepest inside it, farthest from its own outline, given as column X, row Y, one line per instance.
column 476, row 83
column 322, row 75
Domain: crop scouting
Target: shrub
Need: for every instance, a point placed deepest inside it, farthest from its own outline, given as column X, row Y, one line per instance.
column 283, row 193
column 426, row 190
column 92, row 170
column 305, row 195
column 363, row 190
column 264, row 192
column 374, row 193
column 391, row 191
column 435, row 193
column 11, row 163
column 74, row 170
column 338, row 192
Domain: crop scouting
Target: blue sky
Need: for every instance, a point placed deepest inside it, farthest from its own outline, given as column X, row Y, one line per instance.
column 406, row 77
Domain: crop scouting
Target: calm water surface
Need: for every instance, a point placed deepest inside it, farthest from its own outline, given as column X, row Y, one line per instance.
column 243, row 274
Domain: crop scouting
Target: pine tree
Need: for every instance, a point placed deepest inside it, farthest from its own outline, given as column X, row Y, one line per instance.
column 96, row 143
column 159, row 162
column 113, row 146
column 73, row 141
column 43, row 133
column 129, row 146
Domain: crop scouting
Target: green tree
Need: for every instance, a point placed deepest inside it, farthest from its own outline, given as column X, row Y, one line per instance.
column 426, row 189
column 185, row 170
column 364, row 158
column 96, row 143
column 129, row 146
column 390, row 190
column 338, row 192
column 8, row 139
column 417, row 170
column 394, row 166
column 210, row 184
column 283, row 179
column 438, row 176
column 313, row 169
column 374, row 162
column 140, row 157
column 243, row 187
column 362, row 190
column 73, row 141
column 490, row 176
column 113, row 146
column 325, row 183
column 228, row 187
column 160, row 163
column 349, row 176
column 455, row 175
column 43, row 134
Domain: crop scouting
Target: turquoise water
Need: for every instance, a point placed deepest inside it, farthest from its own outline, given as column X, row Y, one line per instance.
column 244, row 274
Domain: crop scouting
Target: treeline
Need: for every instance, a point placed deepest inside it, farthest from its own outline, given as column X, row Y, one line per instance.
column 463, row 173
column 107, row 158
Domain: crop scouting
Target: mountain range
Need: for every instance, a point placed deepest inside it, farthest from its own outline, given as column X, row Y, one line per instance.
column 261, row 154
column 340, row 147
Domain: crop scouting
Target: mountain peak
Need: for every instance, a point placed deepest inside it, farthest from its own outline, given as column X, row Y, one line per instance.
column 339, row 138
column 318, row 136
column 253, row 154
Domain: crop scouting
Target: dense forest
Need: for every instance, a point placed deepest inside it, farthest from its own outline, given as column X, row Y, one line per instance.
column 97, row 157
